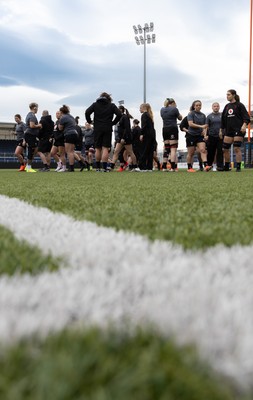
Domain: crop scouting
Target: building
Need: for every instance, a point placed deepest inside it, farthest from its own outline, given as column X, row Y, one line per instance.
column 7, row 131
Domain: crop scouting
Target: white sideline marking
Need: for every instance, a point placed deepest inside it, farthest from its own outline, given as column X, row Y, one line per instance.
column 201, row 297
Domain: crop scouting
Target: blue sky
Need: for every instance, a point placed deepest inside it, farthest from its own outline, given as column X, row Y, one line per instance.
column 61, row 52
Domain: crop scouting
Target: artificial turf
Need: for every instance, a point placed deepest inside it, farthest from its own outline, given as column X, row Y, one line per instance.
column 92, row 365
column 17, row 257
column 195, row 210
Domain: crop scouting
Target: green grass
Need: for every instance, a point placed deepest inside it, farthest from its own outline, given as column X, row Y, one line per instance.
column 18, row 257
column 90, row 365
column 195, row 210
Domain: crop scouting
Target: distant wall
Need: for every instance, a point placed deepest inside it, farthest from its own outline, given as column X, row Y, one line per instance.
column 7, row 130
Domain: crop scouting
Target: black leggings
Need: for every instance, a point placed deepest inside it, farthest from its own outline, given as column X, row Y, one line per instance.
column 146, row 153
column 32, row 144
column 214, row 144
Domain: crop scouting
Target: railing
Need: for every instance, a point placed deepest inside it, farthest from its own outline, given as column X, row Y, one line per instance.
column 9, row 157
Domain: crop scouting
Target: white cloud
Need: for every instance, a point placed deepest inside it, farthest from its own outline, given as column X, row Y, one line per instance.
column 18, row 98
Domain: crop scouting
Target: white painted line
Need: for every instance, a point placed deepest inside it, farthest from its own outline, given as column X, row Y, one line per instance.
column 200, row 297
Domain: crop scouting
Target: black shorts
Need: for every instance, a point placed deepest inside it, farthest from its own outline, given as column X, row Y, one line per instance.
column 44, row 146
column 31, row 140
column 71, row 138
column 235, row 134
column 79, row 146
column 192, row 140
column 170, row 133
column 89, row 148
column 102, row 139
column 20, row 143
column 127, row 141
column 59, row 142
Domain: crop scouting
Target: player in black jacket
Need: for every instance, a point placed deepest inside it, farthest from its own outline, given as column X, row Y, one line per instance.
column 45, row 140
column 104, row 111
column 234, row 120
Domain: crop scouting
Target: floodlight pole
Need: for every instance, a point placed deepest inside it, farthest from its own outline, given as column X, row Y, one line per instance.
column 250, row 63
column 145, row 69
column 144, row 40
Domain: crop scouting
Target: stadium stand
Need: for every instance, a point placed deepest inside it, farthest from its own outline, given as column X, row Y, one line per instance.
column 7, row 146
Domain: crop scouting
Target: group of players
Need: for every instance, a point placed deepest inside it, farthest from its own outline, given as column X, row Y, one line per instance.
column 211, row 136
column 62, row 140
column 46, row 139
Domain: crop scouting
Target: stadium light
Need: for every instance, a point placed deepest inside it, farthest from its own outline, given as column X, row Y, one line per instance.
column 139, row 30
column 135, row 30
column 146, row 26
column 137, row 40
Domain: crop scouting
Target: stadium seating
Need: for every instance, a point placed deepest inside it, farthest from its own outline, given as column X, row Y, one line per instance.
column 7, row 146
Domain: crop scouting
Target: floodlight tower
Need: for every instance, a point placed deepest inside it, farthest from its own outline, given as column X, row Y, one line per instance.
column 146, row 38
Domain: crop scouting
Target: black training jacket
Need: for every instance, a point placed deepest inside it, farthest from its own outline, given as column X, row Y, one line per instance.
column 104, row 112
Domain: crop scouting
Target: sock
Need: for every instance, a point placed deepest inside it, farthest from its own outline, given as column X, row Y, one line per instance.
column 164, row 165
column 238, row 165
column 205, row 163
column 98, row 164
column 104, row 164
column 189, row 166
column 172, row 164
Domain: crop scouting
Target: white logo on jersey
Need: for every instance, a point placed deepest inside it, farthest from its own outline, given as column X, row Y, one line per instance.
column 230, row 111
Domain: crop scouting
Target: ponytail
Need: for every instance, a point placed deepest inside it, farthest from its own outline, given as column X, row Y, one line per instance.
column 233, row 92
column 125, row 110
column 147, row 106
column 64, row 109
